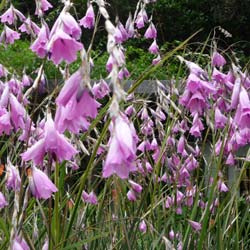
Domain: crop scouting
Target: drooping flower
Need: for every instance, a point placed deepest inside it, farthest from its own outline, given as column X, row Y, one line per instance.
column 100, row 89
column 75, row 105
column 195, row 225
column 3, row 201
column 130, row 26
column 122, row 149
column 135, row 186
column 143, row 226
column 141, row 19
column 29, row 27
column 39, row 45
column 19, row 244
column 8, row 36
column 151, row 32
column 89, row 198
column 131, row 195
column 42, row 6
column 10, row 16
column 5, row 122
column 70, row 25
column 40, row 185
column 88, row 21
column 13, row 180
column 154, row 49
column 218, row 60
column 53, row 143
column 17, row 113
column 63, row 47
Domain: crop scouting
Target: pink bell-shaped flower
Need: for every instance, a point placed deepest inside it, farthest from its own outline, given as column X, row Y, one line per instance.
column 88, row 21
column 53, row 143
column 122, row 149
column 8, row 36
column 40, row 185
column 11, row 15
column 63, row 47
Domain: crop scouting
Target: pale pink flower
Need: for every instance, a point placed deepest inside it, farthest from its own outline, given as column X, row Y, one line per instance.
column 39, row 46
column 5, row 122
column 8, row 36
column 141, row 19
column 151, row 32
column 11, row 15
column 131, row 195
column 135, row 186
column 70, row 25
column 195, row 225
column 130, row 26
column 218, row 60
column 3, row 202
column 19, row 244
column 17, row 113
column 53, row 143
column 100, row 89
column 156, row 60
column 88, row 21
column 40, row 185
column 63, row 47
column 222, row 186
column 42, row 6
column 13, row 180
column 123, row 73
column 143, row 226
column 89, row 198
column 220, row 119
column 154, row 49
column 29, row 27
column 122, row 149
column 73, row 97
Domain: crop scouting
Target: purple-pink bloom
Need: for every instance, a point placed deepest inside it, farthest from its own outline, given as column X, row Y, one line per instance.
column 39, row 46
column 63, row 47
column 151, row 32
column 141, row 18
column 131, row 195
column 154, row 49
column 130, row 26
column 75, row 105
column 17, row 113
column 100, row 89
column 3, row 201
column 89, row 198
column 40, row 185
column 29, row 27
column 156, row 60
column 10, row 15
column 143, row 226
column 88, row 21
column 13, row 180
column 42, row 6
column 53, row 143
column 19, row 244
column 222, row 186
column 220, row 119
column 5, row 122
column 197, row 103
column 218, row 60
column 121, row 155
column 8, row 36
column 135, row 186
column 195, row 225
column 70, row 25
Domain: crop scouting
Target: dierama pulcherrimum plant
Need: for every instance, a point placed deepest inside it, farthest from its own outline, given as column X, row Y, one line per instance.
column 95, row 166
